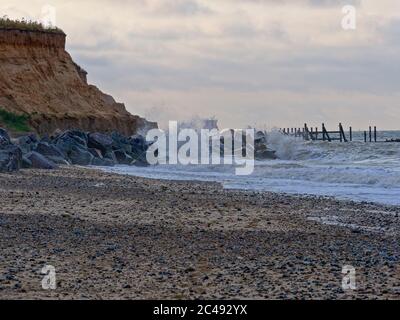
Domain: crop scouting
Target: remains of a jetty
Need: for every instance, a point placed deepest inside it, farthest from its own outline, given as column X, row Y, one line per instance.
column 322, row 134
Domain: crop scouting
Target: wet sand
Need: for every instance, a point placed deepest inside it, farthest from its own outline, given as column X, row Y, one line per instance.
column 122, row 237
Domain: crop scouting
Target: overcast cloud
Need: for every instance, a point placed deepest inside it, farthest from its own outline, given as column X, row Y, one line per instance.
column 271, row 62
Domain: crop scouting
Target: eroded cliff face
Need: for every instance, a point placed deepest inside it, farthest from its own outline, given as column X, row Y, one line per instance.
column 38, row 77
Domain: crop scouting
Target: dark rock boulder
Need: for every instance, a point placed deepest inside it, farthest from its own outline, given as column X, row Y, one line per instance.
column 26, row 163
column 111, row 156
column 10, row 158
column 260, row 137
column 102, row 162
column 119, row 139
column 140, row 161
column 123, row 157
column 71, row 147
column 4, row 138
column 67, row 141
column 95, row 152
column 46, row 139
column 261, row 150
column 58, row 160
column 39, row 161
column 100, row 141
column 138, row 143
column 265, row 155
column 47, row 149
column 27, row 143
column 120, row 142
column 139, row 149
column 79, row 136
column 80, row 156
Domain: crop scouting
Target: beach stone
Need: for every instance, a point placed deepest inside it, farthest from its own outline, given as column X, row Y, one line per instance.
column 100, row 141
column 39, row 161
column 10, row 158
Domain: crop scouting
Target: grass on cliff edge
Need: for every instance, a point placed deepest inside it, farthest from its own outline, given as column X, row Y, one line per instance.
column 7, row 23
column 15, row 122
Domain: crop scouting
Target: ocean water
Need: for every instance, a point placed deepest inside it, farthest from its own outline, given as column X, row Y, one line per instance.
column 354, row 171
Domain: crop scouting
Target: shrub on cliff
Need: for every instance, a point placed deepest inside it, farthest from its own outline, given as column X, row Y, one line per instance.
column 7, row 23
column 14, row 121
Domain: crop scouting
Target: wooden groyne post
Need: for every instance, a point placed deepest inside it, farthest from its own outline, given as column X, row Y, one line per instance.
column 315, row 134
column 325, row 134
column 342, row 135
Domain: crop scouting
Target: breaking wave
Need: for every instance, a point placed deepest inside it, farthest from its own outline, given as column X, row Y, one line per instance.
column 356, row 170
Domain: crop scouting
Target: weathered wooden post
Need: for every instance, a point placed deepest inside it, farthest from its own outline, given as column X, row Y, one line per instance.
column 365, row 136
column 375, row 134
column 351, row 133
column 306, row 132
column 312, row 133
column 342, row 134
column 370, row 134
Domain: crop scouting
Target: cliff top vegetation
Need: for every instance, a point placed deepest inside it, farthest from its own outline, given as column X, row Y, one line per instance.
column 28, row 25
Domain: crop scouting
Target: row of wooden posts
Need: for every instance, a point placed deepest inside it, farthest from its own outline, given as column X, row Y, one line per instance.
column 314, row 134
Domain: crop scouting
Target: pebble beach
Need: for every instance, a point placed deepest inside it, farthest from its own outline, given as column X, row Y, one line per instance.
column 113, row 236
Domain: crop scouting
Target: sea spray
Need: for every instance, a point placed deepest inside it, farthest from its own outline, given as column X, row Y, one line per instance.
column 188, row 147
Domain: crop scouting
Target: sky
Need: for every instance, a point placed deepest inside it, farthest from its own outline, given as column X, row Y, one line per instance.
column 264, row 63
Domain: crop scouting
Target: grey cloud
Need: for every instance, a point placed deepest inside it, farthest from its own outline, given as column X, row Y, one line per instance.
column 331, row 3
column 183, row 7
column 239, row 58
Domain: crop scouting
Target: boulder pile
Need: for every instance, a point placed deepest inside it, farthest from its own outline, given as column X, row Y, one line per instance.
column 71, row 147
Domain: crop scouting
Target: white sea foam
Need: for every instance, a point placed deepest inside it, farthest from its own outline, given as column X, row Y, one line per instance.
column 356, row 171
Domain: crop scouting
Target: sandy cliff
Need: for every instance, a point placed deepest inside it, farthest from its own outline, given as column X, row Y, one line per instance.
column 38, row 77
